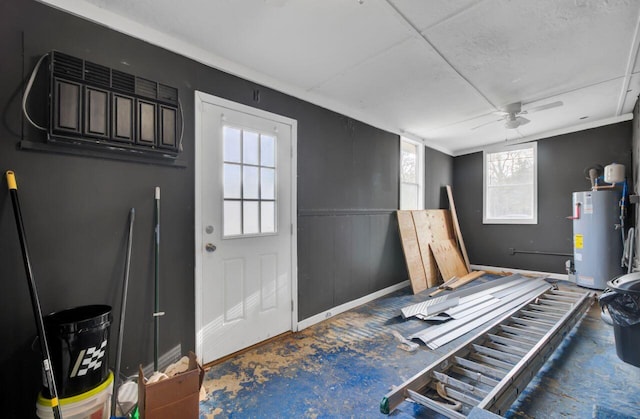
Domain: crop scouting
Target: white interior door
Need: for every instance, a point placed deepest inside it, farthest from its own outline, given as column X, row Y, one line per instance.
column 244, row 226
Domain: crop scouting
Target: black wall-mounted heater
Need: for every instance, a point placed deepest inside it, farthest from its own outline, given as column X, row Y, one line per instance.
column 93, row 104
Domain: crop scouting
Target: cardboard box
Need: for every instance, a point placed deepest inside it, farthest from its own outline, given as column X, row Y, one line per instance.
column 174, row 397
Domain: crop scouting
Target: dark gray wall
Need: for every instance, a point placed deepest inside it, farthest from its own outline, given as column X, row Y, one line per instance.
column 561, row 162
column 75, row 208
column 438, row 174
column 348, row 243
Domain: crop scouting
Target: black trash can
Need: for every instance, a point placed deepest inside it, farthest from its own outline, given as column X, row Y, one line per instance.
column 622, row 300
column 78, row 345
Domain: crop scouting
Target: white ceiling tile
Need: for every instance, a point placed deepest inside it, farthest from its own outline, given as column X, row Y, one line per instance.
column 519, row 50
column 419, row 92
column 424, row 14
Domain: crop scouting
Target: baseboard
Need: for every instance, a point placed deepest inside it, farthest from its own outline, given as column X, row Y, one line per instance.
column 562, row 277
column 303, row 324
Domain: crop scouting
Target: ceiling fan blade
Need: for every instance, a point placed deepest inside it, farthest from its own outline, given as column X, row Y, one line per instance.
column 487, row 123
column 543, row 107
column 522, row 120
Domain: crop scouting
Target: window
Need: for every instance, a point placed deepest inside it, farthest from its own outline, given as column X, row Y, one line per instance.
column 249, row 182
column 511, row 185
column 411, row 174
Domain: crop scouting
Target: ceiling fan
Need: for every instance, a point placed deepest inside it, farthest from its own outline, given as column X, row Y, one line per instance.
column 512, row 114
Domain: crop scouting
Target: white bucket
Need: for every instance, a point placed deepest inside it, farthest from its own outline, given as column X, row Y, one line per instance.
column 94, row 404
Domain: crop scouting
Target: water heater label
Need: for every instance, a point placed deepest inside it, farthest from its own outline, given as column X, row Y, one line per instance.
column 578, row 241
column 586, row 280
column 578, row 257
column 588, row 204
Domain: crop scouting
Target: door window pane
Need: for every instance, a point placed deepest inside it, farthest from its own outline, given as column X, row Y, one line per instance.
column 267, row 151
column 232, row 181
column 232, row 218
column 250, row 182
column 267, row 217
column 232, row 146
column 250, row 151
column 267, row 183
column 250, row 217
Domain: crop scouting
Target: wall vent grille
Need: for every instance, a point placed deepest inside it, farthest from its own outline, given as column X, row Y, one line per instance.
column 93, row 104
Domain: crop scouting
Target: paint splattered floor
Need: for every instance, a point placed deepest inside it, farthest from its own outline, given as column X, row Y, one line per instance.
column 343, row 366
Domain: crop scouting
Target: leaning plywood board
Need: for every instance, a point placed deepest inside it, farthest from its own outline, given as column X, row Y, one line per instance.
column 411, row 251
column 431, row 226
column 456, row 227
column 425, row 236
column 448, row 259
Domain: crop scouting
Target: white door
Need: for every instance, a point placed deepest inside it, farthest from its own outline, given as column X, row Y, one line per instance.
column 245, row 243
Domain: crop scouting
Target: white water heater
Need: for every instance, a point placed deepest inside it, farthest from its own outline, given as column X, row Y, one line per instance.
column 597, row 239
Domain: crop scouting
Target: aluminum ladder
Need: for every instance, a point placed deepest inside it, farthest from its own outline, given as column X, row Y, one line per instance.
column 490, row 370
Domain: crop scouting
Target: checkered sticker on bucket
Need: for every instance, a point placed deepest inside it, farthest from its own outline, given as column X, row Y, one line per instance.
column 89, row 359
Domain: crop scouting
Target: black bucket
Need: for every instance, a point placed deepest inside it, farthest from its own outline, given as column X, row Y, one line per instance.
column 78, row 345
column 623, row 304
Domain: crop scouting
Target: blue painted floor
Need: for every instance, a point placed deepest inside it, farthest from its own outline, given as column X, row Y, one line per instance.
column 343, row 367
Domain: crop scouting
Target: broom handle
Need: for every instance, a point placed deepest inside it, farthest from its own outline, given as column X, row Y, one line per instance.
column 156, row 308
column 123, row 309
column 35, row 302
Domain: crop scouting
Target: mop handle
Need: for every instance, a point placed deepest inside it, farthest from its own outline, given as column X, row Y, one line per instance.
column 35, row 302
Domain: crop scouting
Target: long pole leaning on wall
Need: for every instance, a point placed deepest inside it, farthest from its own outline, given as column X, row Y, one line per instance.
column 35, row 302
column 156, row 305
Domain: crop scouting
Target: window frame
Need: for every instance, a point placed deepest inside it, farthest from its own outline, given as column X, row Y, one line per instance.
column 534, row 185
column 420, row 171
column 259, row 166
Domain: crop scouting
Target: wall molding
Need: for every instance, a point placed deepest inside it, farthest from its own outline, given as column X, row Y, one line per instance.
column 327, row 314
column 342, row 212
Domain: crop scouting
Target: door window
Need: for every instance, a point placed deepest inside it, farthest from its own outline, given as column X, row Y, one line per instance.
column 249, row 182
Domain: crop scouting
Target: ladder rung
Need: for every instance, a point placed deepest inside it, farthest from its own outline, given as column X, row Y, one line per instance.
column 565, row 293
column 460, row 385
column 514, row 350
column 548, row 309
column 433, row 405
column 526, row 333
column 539, row 315
column 546, row 322
column 491, row 361
column 484, row 369
column 474, row 375
column 555, row 303
column 531, row 323
column 560, row 298
column 457, row 395
column 497, row 353
column 510, row 342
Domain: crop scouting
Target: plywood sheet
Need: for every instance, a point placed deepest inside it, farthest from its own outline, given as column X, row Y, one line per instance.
column 431, row 226
column 425, row 236
column 411, row 250
column 456, row 227
column 448, row 259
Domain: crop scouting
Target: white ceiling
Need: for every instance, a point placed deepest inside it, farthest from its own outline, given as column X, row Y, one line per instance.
column 430, row 70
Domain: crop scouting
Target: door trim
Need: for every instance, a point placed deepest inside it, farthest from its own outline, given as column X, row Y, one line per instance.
column 200, row 98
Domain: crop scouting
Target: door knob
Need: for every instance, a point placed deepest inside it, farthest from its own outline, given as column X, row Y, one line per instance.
column 210, row 247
